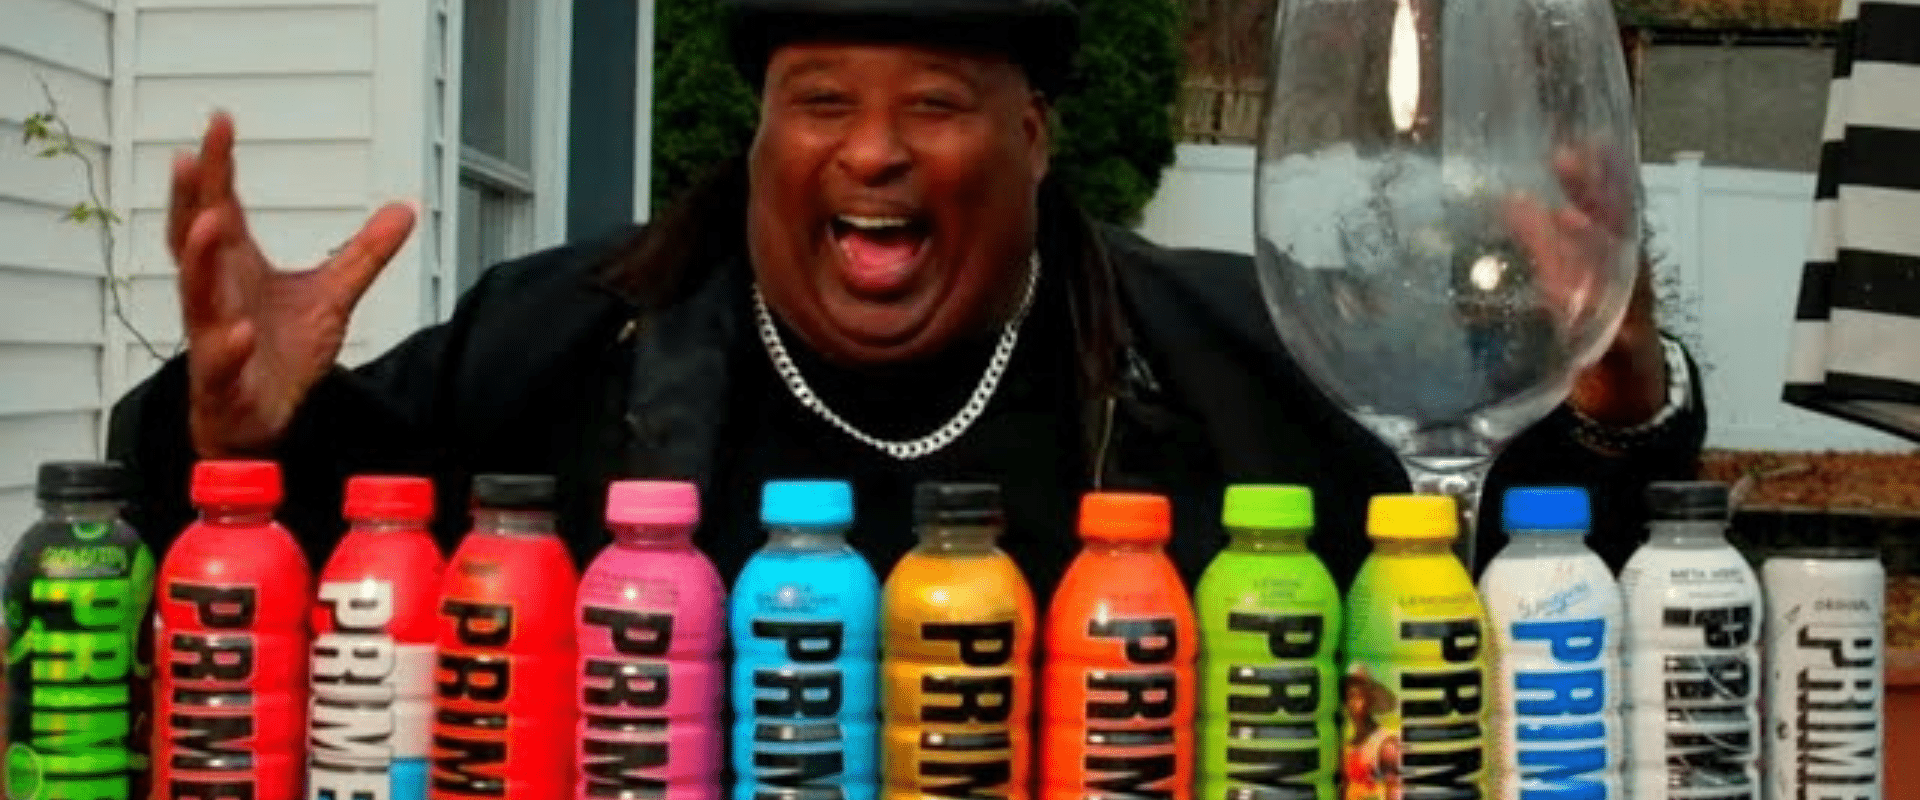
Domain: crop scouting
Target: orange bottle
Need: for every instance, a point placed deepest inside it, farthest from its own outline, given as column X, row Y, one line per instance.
column 1118, row 684
column 957, row 678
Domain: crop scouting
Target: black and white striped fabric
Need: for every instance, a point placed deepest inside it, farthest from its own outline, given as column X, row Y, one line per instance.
column 1856, row 335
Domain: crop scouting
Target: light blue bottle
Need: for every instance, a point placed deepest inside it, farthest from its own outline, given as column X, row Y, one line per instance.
column 804, row 622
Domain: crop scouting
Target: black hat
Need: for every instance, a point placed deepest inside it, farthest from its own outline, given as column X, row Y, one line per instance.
column 1042, row 36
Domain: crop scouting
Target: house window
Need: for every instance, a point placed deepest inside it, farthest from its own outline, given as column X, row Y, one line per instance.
column 512, row 123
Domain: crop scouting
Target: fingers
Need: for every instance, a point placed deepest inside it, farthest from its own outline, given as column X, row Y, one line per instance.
column 206, row 296
column 215, row 186
column 217, row 359
column 183, row 201
column 1594, row 183
column 1546, row 236
column 348, row 273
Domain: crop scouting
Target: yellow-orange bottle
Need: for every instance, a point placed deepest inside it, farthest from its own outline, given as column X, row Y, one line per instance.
column 1118, row 683
column 957, row 676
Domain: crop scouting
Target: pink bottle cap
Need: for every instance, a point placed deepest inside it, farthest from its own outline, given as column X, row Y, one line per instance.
column 653, row 503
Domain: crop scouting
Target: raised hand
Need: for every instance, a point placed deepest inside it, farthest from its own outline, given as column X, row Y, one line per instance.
column 1567, row 246
column 257, row 338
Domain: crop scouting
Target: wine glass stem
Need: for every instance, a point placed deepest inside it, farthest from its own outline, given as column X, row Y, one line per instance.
column 1462, row 480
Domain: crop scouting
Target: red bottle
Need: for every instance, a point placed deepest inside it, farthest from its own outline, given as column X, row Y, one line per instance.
column 230, row 668
column 503, row 689
column 375, row 624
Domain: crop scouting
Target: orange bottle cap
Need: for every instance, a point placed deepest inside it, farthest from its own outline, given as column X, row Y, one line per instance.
column 1126, row 516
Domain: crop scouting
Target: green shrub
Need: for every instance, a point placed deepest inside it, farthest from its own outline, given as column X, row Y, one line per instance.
column 1112, row 139
column 702, row 112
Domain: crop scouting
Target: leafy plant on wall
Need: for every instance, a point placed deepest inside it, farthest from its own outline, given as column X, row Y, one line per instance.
column 49, row 133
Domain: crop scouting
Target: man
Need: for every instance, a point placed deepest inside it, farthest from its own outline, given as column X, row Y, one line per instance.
column 888, row 289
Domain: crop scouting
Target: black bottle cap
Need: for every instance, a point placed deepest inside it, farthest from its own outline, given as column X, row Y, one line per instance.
column 82, row 480
column 514, row 492
column 940, row 503
column 1687, row 501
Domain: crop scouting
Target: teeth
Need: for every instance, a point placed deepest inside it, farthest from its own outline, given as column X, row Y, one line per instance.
column 875, row 223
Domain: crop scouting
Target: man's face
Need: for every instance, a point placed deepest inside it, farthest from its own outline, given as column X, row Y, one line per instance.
column 892, row 195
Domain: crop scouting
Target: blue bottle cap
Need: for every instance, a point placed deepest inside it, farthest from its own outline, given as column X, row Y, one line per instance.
column 806, row 504
column 1547, row 508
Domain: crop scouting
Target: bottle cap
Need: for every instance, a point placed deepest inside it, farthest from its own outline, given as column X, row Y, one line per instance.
column 653, row 503
column 401, row 497
column 1268, row 506
column 1126, row 517
column 1412, row 516
column 939, row 503
column 806, row 504
column 1681, row 501
column 236, row 483
column 514, row 492
column 82, row 480
column 1558, row 509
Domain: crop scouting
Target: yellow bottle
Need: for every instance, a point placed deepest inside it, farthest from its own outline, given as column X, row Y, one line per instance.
column 1415, row 696
column 957, row 646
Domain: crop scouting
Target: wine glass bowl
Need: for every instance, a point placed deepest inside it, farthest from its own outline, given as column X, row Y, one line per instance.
column 1447, row 209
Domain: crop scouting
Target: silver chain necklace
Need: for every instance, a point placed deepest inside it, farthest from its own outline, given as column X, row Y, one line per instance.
column 941, row 436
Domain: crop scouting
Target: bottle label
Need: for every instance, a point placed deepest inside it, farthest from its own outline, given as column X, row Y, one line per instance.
column 1825, row 637
column 1710, row 687
column 72, row 655
column 966, row 748
column 1560, row 699
column 1131, row 744
column 1414, row 713
column 211, row 692
column 797, row 739
column 627, row 746
column 1273, row 707
column 1836, row 706
column 369, row 696
column 474, row 680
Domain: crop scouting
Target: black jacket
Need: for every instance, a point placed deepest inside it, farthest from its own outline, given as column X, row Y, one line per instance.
column 609, row 358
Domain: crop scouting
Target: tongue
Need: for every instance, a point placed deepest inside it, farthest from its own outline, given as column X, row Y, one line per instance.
column 879, row 259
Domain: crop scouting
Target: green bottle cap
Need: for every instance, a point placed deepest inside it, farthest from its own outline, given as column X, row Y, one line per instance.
column 1274, row 506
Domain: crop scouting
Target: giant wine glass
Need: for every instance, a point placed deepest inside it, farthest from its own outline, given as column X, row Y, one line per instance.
column 1448, row 215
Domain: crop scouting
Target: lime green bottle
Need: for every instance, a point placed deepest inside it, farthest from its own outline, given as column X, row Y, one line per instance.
column 1269, row 624
column 1414, row 701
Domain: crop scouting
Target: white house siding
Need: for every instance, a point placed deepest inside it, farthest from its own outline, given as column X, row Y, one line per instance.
column 52, row 309
column 330, row 100
column 311, row 85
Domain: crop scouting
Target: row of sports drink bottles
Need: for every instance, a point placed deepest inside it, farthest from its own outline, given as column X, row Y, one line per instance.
column 502, row 675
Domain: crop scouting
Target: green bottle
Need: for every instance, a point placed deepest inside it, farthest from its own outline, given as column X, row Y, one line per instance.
column 1269, row 625
column 76, row 608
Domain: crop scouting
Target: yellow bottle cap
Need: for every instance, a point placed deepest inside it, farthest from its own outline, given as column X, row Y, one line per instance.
column 1412, row 516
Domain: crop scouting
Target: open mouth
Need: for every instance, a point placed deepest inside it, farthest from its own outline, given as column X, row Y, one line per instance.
column 882, row 254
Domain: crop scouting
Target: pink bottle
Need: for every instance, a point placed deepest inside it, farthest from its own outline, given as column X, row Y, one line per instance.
column 651, row 622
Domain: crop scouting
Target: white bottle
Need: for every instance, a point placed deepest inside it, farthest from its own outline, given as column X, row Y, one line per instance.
column 1693, row 653
column 1556, row 616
